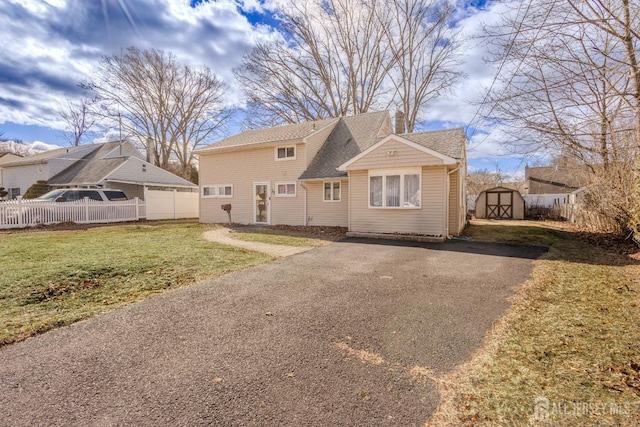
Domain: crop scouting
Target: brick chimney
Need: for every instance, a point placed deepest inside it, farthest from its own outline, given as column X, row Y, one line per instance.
column 399, row 122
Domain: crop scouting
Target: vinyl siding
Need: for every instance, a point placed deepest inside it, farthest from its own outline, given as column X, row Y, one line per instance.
column 454, row 203
column 132, row 171
column 23, row 176
column 315, row 142
column 428, row 220
column 132, row 191
column 404, row 156
column 242, row 169
column 131, row 152
column 320, row 212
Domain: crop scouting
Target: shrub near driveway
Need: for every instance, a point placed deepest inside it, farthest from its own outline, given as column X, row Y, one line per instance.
column 567, row 352
column 54, row 278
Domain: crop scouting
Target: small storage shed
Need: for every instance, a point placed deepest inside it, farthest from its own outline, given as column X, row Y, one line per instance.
column 500, row 203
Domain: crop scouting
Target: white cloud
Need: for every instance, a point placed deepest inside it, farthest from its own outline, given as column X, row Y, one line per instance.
column 25, row 149
column 65, row 41
column 39, row 146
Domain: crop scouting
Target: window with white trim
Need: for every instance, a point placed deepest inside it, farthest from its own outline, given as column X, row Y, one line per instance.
column 332, row 191
column 218, row 190
column 398, row 189
column 286, row 189
column 286, row 153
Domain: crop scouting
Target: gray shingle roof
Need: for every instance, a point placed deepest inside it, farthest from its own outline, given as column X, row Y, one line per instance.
column 571, row 178
column 46, row 155
column 450, row 142
column 295, row 131
column 91, row 169
column 350, row 137
column 87, row 172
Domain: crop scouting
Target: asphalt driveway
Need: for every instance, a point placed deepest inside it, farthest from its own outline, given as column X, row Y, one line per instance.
column 327, row 337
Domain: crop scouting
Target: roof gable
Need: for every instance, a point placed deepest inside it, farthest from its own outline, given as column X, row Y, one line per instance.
column 397, row 150
column 137, row 171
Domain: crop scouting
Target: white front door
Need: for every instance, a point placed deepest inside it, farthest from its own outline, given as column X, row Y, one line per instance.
column 261, row 202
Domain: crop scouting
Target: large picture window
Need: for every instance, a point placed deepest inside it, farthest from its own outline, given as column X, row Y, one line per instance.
column 395, row 189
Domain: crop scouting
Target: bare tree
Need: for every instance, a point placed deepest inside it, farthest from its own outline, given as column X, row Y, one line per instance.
column 330, row 60
column 570, row 83
column 79, row 117
column 426, row 52
column 480, row 180
column 169, row 108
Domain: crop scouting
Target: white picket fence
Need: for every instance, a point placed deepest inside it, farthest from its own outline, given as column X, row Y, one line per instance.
column 27, row 213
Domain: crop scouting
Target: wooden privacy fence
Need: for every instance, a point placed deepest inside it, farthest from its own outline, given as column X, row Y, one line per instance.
column 577, row 214
column 26, row 213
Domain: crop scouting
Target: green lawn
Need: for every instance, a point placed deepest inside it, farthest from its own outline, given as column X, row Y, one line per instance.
column 572, row 337
column 54, row 278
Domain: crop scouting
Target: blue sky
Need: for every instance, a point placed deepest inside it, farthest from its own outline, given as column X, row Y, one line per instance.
column 51, row 45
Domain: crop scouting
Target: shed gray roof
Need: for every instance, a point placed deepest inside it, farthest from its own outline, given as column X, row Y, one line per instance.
column 450, row 142
column 291, row 132
column 350, row 137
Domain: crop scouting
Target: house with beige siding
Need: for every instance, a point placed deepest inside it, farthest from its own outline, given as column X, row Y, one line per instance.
column 351, row 172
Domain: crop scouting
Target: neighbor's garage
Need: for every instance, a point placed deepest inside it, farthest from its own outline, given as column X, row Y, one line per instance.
column 500, row 203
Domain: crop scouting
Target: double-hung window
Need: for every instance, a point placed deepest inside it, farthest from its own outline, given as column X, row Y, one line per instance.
column 286, row 153
column 398, row 188
column 219, row 190
column 285, row 189
column 332, row 191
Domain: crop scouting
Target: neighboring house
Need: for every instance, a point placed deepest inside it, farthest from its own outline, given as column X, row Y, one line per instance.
column 552, row 179
column 107, row 165
column 348, row 171
column 6, row 157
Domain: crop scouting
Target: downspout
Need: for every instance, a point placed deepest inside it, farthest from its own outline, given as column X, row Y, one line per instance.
column 304, row 222
column 349, row 204
column 446, row 227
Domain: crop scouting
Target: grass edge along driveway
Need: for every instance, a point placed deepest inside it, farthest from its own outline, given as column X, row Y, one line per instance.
column 53, row 278
column 568, row 350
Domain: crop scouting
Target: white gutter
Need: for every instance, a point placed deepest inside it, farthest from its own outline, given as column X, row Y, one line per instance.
column 448, row 190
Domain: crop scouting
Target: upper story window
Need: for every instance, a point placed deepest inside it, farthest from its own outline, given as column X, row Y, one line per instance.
column 221, row 190
column 400, row 189
column 286, row 153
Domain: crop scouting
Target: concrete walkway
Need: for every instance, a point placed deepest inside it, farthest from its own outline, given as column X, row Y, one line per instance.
column 224, row 235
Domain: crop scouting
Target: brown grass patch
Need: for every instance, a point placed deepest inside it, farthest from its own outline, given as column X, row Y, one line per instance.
column 362, row 355
column 570, row 339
